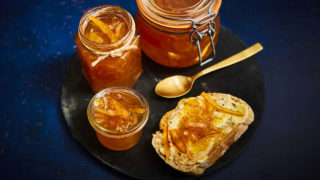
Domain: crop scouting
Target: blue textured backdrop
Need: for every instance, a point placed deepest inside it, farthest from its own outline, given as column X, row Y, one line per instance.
column 37, row 44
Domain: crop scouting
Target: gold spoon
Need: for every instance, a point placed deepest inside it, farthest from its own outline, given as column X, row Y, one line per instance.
column 176, row 86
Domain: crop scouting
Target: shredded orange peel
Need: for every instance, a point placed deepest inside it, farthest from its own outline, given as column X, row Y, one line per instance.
column 118, row 109
column 104, row 28
column 180, row 145
column 220, row 108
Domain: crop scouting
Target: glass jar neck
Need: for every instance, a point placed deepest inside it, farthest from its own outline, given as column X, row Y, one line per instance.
column 168, row 18
column 101, row 11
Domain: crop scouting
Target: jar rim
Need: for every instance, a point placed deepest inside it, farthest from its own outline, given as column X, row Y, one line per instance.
column 173, row 20
column 107, row 9
column 130, row 91
column 177, row 10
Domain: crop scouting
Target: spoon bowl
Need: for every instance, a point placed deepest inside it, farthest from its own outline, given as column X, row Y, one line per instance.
column 176, row 86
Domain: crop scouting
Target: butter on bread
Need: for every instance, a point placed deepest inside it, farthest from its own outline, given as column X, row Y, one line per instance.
column 195, row 134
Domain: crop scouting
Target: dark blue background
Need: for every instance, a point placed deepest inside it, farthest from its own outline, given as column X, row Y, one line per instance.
column 37, row 44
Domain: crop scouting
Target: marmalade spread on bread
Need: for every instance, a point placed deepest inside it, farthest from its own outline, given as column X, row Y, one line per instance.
column 117, row 113
column 198, row 125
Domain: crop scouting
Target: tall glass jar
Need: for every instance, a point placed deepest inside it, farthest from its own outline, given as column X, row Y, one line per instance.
column 178, row 33
column 109, row 48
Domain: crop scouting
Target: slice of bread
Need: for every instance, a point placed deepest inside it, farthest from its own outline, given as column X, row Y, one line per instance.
column 200, row 130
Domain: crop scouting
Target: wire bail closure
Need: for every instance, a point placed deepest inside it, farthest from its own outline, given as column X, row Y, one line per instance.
column 196, row 35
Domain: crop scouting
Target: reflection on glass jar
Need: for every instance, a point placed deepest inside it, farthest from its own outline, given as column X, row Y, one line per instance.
column 118, row 116
column 109, row 48
column 166, row 26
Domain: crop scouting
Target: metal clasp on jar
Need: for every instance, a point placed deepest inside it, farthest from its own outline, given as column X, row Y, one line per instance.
column 196, row 35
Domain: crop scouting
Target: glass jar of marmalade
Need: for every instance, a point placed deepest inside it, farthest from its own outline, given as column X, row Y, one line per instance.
column 109, row 48
column 178, row 33
column 118, row 116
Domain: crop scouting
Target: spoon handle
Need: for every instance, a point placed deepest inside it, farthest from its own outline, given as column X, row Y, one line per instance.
column 250, row 51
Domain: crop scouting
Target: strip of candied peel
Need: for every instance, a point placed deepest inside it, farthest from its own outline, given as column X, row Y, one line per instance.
column 220, row 108
column 104, row 28
column 165, row 139
column 119, row 28
column 179, row 144
column 122, row 114
column 138, row 110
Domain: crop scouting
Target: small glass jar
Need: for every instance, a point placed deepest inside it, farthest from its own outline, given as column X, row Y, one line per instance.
column 106, row 63
column 107, row 126
column 178, row 33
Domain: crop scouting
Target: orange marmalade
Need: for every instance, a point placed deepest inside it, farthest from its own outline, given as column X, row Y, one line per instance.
column 108, row 48
column 118, row 116
column 165, row 30
column 199, row 124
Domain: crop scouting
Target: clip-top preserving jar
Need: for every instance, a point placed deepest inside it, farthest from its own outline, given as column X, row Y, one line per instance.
column 178, row 33
column 109, row 48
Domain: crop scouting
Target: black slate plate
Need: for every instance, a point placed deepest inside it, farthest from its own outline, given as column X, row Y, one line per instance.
column 243, row 80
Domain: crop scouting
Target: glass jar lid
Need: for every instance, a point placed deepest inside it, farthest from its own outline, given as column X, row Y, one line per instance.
column 177, row 15
column 178, row 7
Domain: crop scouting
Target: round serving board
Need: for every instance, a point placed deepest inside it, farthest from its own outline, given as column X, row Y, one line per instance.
column 243, row 80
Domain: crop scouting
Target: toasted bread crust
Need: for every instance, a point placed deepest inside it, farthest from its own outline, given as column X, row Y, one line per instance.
column 215, row 152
